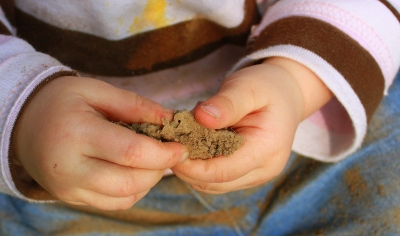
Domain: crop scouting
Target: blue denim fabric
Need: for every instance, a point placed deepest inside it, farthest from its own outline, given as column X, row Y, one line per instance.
column 357, row 196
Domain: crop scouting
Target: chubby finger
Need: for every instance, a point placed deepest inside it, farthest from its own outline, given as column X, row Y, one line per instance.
column 241, row 93
column 102, row 202
column 115, row 180
column 117, row 144
column 252, row 179
column 75, row 203
column 118, row 104
column 225, row 169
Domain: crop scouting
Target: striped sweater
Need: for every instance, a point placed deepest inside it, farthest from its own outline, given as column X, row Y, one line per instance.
column 177, row 52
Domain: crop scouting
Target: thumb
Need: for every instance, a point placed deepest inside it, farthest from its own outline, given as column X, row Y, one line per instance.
column 239, row 95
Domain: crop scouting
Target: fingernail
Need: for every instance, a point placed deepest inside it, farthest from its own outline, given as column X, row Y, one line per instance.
column 212, row 110
column 184, row 156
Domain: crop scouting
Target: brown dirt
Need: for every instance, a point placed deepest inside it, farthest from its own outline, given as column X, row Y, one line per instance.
column 356, row 184
column 135, row 220
column 201, row 142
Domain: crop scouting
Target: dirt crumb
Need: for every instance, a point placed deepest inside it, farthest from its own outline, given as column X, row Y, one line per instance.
column 201, row 142
column 355, row 183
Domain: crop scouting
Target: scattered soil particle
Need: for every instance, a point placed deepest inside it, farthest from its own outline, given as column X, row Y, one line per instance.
column 355, row 183
column 396, row 215
column 139, row 220
column 201, row 142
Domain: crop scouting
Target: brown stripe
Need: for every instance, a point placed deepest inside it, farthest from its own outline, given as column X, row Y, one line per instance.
column 391, row 8
column 139, row 54
column 356, row 65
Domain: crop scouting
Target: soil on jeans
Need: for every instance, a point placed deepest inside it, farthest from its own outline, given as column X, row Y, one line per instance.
column 201, row 142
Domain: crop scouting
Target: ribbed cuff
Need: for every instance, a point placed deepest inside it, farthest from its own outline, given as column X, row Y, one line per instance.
column 22, row 74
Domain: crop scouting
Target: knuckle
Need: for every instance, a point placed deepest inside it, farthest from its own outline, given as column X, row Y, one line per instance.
column 126, row 188
column 140, row 101
column 222, row 175
column 58, row 191
column 201, row 187
column 133, row 199
column 170, row 156
column 169, row 162
column 61, row 195
column 131, row 154
column 127, row 202
column 228, row 102
column 67, row 195
column 75, row 203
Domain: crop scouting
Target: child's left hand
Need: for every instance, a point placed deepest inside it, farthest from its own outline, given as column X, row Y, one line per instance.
column 265, row 104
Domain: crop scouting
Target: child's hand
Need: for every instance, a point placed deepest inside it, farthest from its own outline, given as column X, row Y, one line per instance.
column 65, row 142
column 264, row 103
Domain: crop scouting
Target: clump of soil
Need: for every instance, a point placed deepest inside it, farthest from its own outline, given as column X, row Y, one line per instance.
column 201, row 142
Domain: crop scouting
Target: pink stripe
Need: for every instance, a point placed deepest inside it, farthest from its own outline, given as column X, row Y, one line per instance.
column 345, row 21
column 333, row 117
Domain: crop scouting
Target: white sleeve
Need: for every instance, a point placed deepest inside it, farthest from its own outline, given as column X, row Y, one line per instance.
column 22, row 70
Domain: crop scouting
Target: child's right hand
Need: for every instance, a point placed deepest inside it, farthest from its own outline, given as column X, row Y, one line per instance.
column 66, row 143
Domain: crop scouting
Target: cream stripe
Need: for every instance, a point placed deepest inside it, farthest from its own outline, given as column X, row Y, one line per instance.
column 116, row 20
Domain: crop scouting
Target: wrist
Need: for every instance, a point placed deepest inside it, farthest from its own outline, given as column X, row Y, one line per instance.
column 314, row 92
